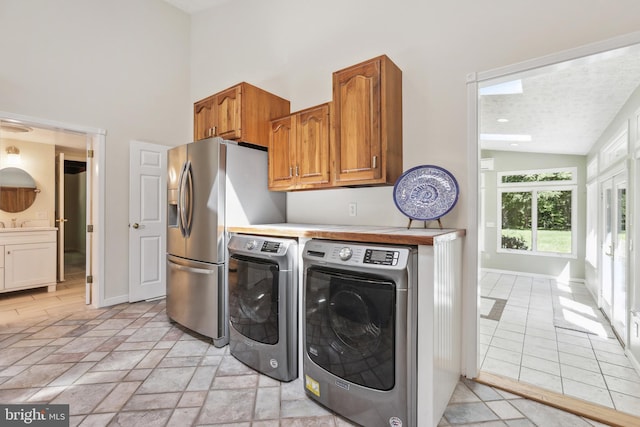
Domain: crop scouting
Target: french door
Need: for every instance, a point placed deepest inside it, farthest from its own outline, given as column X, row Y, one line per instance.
column 614, row 253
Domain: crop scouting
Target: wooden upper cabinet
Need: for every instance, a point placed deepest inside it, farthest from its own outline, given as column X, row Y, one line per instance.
column 203, row 111
column 228, row 118
column 299, row 150
column 282, row 154
column 367, row 142
column 241, row 113
column 312, row 135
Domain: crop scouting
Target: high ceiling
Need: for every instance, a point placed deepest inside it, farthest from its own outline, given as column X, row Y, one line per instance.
column 561, row 109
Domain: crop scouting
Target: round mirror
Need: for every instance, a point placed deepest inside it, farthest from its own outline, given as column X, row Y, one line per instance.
column 17, row 190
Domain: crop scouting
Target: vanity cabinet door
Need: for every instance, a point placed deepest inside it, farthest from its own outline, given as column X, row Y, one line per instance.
column 20, row 269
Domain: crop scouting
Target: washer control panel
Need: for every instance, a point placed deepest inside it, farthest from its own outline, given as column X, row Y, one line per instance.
column 352, row 253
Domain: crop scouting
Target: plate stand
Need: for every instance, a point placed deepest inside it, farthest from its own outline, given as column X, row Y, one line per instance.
column 425, row 223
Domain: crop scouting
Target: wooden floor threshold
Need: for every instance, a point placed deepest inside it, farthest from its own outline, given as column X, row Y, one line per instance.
column 576, row 406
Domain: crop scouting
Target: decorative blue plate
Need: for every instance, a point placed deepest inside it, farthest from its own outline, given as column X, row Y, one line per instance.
column 425, row 193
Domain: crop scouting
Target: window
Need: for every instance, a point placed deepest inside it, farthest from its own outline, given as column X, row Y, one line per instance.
column 538, row 212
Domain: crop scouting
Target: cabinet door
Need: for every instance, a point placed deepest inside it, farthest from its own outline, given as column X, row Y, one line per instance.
column 203, row 118
column 228, row 113
column 357, row 140
column 312, row 136
column 20, row 268
column 282, row 152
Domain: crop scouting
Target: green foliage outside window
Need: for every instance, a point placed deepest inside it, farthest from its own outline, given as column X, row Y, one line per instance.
column 553, row 209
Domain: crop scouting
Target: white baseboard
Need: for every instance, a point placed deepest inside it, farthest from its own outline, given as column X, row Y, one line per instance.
column 108, row 302
column 633, row 360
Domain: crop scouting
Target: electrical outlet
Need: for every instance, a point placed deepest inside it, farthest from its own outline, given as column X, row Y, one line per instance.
column 353, row 209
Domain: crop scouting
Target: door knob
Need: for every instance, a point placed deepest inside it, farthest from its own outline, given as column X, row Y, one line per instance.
column 136, row 225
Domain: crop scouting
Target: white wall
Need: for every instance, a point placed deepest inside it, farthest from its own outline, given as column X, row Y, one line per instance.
column 118, row 65
column 125, row 66
column 291, row 47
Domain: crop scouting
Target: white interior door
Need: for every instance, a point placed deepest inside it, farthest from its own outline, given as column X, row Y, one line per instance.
column 615, row 253
column 90, row 250
column 147, row 216
column 60, row 218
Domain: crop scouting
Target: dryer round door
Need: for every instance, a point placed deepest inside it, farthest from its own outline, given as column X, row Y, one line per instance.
column 350, row 325
column 253, row 298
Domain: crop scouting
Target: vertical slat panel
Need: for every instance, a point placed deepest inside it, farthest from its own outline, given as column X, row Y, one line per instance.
column 447, row 318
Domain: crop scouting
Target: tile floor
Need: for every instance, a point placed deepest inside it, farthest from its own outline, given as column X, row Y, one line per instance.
column 68, row 297
column 128, row 365
column 525, row 344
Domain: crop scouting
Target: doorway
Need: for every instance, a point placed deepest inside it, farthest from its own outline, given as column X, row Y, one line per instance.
column 497, row 127
column 86, row 145
column 613, row 277
column 75, row 212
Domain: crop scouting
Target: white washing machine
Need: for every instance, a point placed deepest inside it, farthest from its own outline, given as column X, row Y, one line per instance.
column 263, row 302
column 360, row 330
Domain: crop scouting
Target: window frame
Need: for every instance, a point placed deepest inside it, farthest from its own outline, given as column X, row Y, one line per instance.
column 534, row 188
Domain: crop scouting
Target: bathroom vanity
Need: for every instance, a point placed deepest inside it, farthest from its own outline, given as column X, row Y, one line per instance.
column 28, row 258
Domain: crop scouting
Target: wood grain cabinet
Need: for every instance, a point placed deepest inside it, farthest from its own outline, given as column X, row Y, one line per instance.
column 299, row 150
column 28, row 259
column 367, row 144
column 240, row 113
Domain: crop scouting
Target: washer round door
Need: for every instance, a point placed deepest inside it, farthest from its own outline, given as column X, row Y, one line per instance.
column 253, row 298
column 350, row 325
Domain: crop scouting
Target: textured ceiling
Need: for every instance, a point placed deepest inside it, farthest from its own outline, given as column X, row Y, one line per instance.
column 565, row 107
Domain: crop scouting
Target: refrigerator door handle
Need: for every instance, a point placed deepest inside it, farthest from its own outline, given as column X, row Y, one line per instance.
column 191, row 269
column 189, row 213
column 181, row 203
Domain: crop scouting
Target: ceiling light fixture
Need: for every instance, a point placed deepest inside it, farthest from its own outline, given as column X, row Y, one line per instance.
column 14, row 127
column 502, row 120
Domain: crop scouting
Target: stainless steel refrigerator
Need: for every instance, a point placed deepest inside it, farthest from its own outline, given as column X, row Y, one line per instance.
column 212, row 184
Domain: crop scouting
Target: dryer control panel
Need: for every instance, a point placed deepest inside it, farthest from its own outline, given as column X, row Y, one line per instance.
column 354, row 253
column 256, row 245
column 382, row 257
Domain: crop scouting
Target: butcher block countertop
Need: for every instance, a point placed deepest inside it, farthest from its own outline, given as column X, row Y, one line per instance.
column 354, row 233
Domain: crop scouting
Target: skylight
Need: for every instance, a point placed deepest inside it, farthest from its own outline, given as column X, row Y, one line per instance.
column 505, row 88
